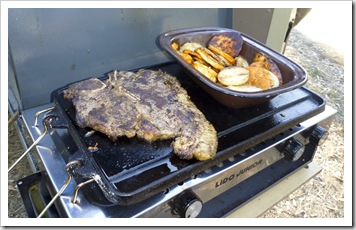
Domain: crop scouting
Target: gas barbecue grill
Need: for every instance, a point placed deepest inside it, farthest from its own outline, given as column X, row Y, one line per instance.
column 259, row 146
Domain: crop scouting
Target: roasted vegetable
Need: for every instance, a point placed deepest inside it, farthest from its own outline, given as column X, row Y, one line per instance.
column 230, row 43
column 186, row 57
column 206, row 71
column 244, row 88
column 223, row 54
column 262, row 78
column 233, row 75
column 190, row 46
column 265, row 62
column 192, row 53
column 241, row 61
column 221, row 63
column 206, row 55
column 175, row 45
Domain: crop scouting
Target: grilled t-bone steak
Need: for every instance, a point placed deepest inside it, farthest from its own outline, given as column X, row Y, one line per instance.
column 148, row 104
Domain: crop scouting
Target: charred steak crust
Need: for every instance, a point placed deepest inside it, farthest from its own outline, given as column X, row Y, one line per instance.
column 148, row 104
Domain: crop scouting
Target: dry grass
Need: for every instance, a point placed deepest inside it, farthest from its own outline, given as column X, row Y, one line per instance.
column 15, row 205
column 322, row 196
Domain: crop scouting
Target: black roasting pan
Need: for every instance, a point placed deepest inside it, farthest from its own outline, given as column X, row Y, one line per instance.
column 294, row 76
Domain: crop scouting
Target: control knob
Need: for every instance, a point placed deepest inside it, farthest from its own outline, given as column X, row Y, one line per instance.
column 294, row 150
column 318, row 135
column 187, row 205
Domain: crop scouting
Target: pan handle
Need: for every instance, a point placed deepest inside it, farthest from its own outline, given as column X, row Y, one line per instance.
column 58, row 120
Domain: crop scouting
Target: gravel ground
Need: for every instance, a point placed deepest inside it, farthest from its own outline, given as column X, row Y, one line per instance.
column 322, row 196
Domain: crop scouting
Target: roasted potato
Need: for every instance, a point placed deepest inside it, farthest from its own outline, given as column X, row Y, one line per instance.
column 192, row 53
column 262, row 78
column 175, row 46
column 261, row 64
column 186, row 57
column 229, row 42
column 221, row 63
column 264, row 61
column 190, row 46
column 233, row 75
column 206, row 55
column 241, row 61
column 223, row 54
column 206, row 71
column 244, row 88
column 201, row 61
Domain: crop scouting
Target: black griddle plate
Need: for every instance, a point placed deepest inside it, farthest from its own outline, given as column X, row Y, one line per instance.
column 134, row 169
